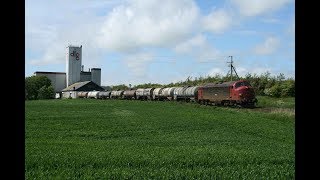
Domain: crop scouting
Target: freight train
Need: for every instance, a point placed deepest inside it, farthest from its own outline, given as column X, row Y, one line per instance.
column 231, row 93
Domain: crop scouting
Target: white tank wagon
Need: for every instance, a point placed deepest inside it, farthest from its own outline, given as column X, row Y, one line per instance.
column 148, row 93
column 116, row 94
column 178, row 93
column 104, row 94
column 140, row 93
column 157, row 93
column 82, row 94
column 191, row 93
column 70, row 94
column 93, row 94
column 167, row 93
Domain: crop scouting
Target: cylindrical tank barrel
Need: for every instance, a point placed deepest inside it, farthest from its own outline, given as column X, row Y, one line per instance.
column 119, row 93
column 168, row 92
column 129, row 94
column 113, row 94
column 104, row 94
column 156, row 93
column 148, row 92
column 93, row 94
column 139, row 93
column 191, row 91
column 179, row 93
column 82, row 94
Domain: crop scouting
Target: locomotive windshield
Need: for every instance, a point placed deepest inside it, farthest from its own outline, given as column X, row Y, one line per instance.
column 242, row 83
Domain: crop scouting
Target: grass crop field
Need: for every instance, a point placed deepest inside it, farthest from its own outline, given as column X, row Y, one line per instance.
column 121, row 139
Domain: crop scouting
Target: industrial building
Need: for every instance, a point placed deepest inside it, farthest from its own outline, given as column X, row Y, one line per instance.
column 74, row 71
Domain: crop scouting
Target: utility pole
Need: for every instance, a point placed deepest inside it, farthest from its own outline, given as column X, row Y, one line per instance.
column 232, row 68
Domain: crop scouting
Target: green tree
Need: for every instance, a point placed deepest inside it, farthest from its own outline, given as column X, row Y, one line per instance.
column 46, row 92
column 288, row 88
column 33, row 84
column 120, row 87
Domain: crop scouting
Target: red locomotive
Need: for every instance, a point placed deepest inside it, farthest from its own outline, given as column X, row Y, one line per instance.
column 227, row 93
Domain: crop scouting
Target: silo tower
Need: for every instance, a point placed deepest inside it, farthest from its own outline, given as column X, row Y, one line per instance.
column 73, row 64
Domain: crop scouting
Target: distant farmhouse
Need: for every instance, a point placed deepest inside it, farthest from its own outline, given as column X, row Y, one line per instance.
column 75, row 78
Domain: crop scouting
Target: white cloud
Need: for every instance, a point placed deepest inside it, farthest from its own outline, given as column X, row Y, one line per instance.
column 222, row 71
column 217, row 71
column 190, row 44
column 50, row 29
column 54, row 55
column 143, row 23
column 261, row 70
column 269, row 46
column 241, row 71
column 128, row 27
column 137, row 63
column 217, row 21
column 258, row 7
column 198, row 47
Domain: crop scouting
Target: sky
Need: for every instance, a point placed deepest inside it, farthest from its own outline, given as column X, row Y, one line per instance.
column 162, row 41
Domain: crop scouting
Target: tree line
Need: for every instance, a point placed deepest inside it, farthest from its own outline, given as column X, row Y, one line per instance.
column 263, row 84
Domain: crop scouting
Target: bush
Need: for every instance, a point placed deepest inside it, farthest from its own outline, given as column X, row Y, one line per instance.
column 281, row 89
column 288, row 89
column 274, row 91
column 46, row 92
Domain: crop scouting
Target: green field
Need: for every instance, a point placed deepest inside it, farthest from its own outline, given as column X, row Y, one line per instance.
column 120, row 139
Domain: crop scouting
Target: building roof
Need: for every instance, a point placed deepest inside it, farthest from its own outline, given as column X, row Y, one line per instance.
column 83, row 86
column 45, row 72
column 85, row 72
column 70, row 45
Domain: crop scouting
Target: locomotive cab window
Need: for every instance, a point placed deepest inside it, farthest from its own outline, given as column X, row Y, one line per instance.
column 244, row 83
column 238, row 84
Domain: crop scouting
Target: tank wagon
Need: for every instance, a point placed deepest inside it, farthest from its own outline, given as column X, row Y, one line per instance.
column 157, row 94
column 228, row 93
column 82, row 94
column 148, row 93
column 93, row 94
column 167, row 93
column 140, row 93
column 116, row 94
column 104, row 94
column 178, row 93
column 191, row 93
column 129, row 94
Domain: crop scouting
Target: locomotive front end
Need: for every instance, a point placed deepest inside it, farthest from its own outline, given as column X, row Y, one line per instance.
column 245, row 93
